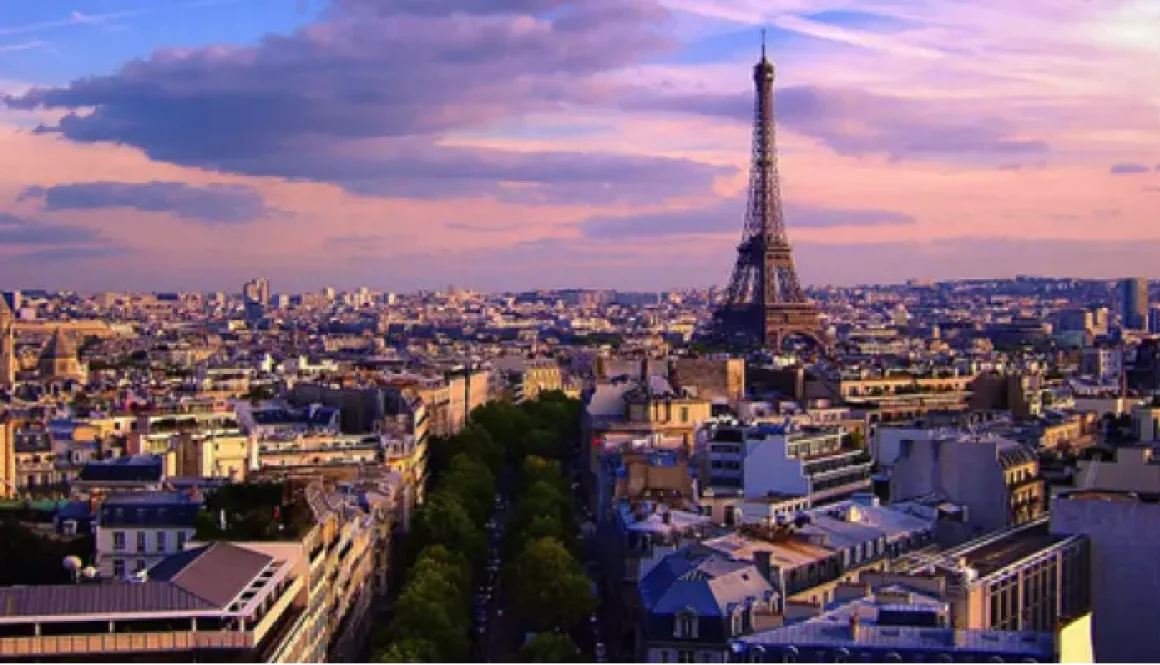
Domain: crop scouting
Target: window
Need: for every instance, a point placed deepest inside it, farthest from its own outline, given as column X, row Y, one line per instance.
column 118, row 541
column 684, row 656
column 180, row 540
column 141, row 541
column 160, row 541
column 684, row 414
column 685, row 626
column 139, row 566
column 118, row 567
column 738, row 622
column 664, row 655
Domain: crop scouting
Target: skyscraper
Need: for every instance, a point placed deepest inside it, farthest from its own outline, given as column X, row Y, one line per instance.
column 1134, row 303
column 7, row 345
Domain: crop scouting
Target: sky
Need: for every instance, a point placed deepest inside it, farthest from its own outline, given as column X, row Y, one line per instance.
column 517, row 144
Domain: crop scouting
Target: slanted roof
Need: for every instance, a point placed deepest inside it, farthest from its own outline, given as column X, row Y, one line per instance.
column 217, row 573
column 59, row 347
column 97, row 599
column 694, row 579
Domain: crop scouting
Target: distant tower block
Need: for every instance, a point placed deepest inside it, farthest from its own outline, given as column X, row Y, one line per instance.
column 765, row 304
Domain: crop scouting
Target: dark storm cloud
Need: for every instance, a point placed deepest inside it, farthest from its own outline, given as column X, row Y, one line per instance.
column 1128, row 168
column 855, row 122
column 360, row 98
column 728, row 217
column 211, row 204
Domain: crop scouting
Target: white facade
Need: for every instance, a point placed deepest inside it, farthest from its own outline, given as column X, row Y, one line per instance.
column 123, row 550
column 794, row 463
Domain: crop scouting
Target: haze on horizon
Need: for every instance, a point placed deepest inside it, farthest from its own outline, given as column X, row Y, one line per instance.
column 513, row 144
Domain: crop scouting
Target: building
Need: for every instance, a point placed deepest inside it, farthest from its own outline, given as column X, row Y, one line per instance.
column 302, row 596
column 58, row 360
column 901, row 625
column 816, row 464
column 7, row 457
column 1134, row 303
column 996, row 479
column 216, row 602
column 135, row 532
column 1122, row 528
column 1025, row 578
column 8, row 360
column 694, row 601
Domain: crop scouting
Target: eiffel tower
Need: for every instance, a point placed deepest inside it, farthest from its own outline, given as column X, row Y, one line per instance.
column 764, row 304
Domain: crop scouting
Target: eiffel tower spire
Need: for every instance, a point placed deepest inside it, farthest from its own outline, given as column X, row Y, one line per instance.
column 764, row 303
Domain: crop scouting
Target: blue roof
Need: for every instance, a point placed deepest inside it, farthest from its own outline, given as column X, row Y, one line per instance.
column 124, row 469
column 698, row 580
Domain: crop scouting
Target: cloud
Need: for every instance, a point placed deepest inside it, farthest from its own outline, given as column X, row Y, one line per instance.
column 23, row 46
column 1128, row 168
column 19, row 231
column 74, row 18
column 728, row 217
column 209, row 204
column 47, row 241
column 854, row 122
column 361, row 98
column 73, row 253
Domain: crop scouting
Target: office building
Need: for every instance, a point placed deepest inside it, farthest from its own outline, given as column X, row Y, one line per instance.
column 1134, row 303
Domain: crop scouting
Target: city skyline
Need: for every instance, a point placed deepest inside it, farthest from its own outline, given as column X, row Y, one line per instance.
column 545, row 143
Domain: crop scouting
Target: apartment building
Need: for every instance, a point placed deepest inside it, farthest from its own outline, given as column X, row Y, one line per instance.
column 134, row 532
column 200, row 419
column 903, row 626
column 1122, row 528
column 303, row 597
column 1025, row 578
column 996, row 479
column 786, row 462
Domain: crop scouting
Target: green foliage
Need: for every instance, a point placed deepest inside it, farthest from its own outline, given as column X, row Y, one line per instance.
column 443, row 520
column 471, row 482
column 504, row 421
column 550, row 648
column 447, row 543
column 549, row 588
column 28, row 558
column 409, row 650
column 253, row 511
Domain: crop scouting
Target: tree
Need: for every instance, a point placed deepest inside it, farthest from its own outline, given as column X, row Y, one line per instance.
column 437, row 559
column 443, row 520
column 504, row 421
column 410, row 650
column 537, row 469
column 541, row 443
column 550, row 648
column 471, row 482
column 548, row 586
column 420, row 614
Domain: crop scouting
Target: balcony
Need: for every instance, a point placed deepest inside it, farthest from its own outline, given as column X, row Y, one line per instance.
column 80, row 645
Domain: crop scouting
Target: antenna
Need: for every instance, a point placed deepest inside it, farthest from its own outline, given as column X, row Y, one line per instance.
column 763, row 43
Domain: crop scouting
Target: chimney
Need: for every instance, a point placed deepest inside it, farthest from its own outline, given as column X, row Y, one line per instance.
column 764, row 566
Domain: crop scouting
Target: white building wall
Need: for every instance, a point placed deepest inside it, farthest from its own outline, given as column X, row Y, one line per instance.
column 768, row 468
column 155, row 548
column 1125, row 584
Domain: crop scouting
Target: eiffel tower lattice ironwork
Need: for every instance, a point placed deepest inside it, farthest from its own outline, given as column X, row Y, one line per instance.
column 765, row 304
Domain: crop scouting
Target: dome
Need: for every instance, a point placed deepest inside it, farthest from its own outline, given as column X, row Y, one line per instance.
column 59, row 347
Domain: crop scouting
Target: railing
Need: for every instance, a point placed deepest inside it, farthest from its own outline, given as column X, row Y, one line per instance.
column 59, row 645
